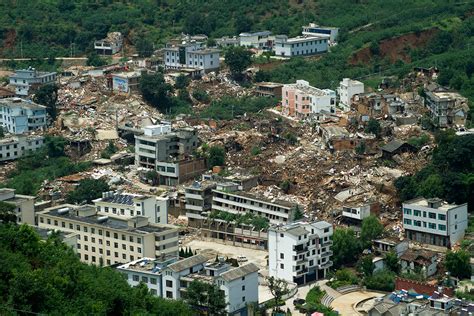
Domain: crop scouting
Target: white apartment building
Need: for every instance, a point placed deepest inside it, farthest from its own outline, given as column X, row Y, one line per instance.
column 313, row 29
column 14, row 147
column 347, row 89
column 435, row 222
column 198, row 197
column 240, row 284
column 304, row 101
column 262, row 40
column 127, row 205
column 191, row 55
column 26, row 81
column 147, row 271
column 300, row 46
column 24, row 205
column 109, row 240
column 226, row 198
column 18, row 116
column 300, row 252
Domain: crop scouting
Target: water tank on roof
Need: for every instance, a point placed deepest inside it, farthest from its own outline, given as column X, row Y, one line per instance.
column 102, row 219
column 63, row 210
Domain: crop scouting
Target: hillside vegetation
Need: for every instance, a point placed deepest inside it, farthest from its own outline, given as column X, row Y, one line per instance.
column 435, row 32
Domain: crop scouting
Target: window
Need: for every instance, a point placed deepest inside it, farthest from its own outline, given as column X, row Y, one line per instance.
column 124, row 256
column 243, row 298
column 115, row 235
column 93, row 239
column 48, row 221
column 407, row 211
column 123, row 237
column 243, row 287
column 92, row 230
column 407, row 221
column 282, row 266
column 417, row 212
column 116, row 254
column 441, row 217
column 136, row 278
column 144, row 279
column 41, row 220
column 169, row 294
column 124, row 247
column 85, row 229
column 442, row 227
column 139, row 240
column 85, row 238
column 131, row 248
column 107, row 234
column 432, row 225
column 55, row 223
column 78, row 227
column 139, row 250
column 432, row 215
column 153, row 291
column 282, row 256
column 417, row 223
column 169, row 283
column 108, row 252
column 153, row 280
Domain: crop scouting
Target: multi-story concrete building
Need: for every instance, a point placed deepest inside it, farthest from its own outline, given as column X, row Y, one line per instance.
column 147, row 271
column 169, row 153
column 27, row 81
column 240, row 285
column 24, row 205
column 434, row 222
column 227, row 198
column 359, row 211
column 110, row 45
column 14, row 147
column 300, row 46
column 226, row 41
column 268, row 89
column 191, row 55
column 127, row 205
column 18, row 116
column 347, row 89
column 300, row 252
column 126, row 82
column 390, row 244
column 447, row 107
column 198, row 197
column 262, row 40
column 313, row 29
column 109, row 240
column 303, row 101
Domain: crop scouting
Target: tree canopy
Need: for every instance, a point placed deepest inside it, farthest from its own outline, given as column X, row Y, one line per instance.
column 238, row 59
column 47, row 95
column 48, row 278
column 87, row 190
column 457, row 263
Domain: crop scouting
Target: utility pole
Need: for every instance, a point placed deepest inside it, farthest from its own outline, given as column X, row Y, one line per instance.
column 21, row 48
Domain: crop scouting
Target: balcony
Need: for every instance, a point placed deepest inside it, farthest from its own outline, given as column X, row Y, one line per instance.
column 327, row 243
column 302, row 271
column 325, row 265
column 327, row 253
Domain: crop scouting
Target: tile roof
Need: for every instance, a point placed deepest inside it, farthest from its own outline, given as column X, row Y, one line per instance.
column 188, row 263
column 239, row 272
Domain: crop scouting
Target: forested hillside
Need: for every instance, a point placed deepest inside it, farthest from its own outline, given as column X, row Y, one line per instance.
column 433, row 32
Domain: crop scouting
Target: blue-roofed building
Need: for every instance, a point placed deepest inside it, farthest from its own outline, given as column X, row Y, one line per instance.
column 18, row 116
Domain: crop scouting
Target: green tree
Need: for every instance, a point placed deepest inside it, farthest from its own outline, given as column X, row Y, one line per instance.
column 7, row 214
column 346, row 247
column 392, row 263
column 156, row 91
column 47, row 95
column 366, row 266
column 278, row 288
column 182, row 82
column 144, row 47
column 298, row 214
column 373, row 127
column 383, row 280
column 54, row 146
column 87, row 190
column 95, row 60
column 285, row 185
column 109, row 150
column 238, row 59
column 458, row 264
column 371, row 229
column 201, row 295
column 216, row 156
column 360, row 148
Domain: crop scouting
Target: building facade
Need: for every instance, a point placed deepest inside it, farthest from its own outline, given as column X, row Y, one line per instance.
column 227, row 198
column 14, row 147
column 18, row 116
column 262, row 40
column 198, row 197
column 110, row 45
column 127, row 205
column 447, row 108
column 300, row 252
column 240, row 284
column 110, row 240
column 191, row 55
column 347, row 89
column 24, row 205
column 126, row 82
column 300, row 46
column 169, row 152
column 313, row 29
column 301, row 100
column 435, row 222
column 268, row 89
column 27, row 81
